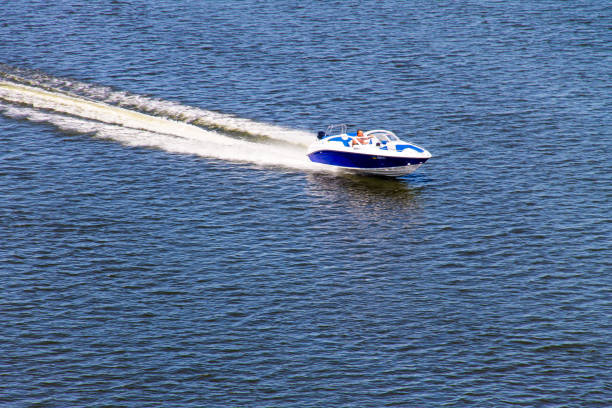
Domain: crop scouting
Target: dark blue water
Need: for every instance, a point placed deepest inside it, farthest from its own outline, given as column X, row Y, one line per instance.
column 139, row 269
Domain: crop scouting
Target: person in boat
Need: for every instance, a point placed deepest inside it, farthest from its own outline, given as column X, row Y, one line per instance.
column 360, row 138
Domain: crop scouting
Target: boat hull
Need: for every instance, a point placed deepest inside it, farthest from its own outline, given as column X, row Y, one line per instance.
column 367, row 163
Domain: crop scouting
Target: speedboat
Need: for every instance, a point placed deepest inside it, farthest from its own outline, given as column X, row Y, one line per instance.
column 379, row 152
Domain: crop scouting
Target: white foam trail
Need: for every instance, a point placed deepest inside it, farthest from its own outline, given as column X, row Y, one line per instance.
column 133, row 128
column 157, row 107
column 213, row 119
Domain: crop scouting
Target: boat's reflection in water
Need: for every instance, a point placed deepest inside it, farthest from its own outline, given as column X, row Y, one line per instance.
column 366, row 197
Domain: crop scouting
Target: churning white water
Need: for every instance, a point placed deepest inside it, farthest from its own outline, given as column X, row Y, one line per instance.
column 140, row 121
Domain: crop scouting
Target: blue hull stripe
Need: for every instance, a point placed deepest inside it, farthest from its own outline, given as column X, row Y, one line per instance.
column 400, row 148
column 361, row 161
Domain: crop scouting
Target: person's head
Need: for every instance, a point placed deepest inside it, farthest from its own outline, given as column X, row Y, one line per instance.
column 359, row 132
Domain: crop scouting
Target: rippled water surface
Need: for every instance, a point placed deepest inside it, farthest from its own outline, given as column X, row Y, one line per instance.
column 181, row 251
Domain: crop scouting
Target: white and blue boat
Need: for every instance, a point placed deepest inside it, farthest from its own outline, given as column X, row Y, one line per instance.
column 378, row 152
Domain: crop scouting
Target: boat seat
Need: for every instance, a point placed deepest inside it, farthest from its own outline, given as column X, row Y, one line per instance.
column 346, row 142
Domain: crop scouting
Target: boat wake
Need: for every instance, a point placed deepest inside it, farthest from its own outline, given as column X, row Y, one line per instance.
column 135, row 120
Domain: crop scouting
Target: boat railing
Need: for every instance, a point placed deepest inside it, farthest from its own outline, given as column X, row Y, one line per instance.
column 336, row 129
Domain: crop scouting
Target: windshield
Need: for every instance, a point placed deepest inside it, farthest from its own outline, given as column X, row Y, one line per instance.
column 383, row 135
